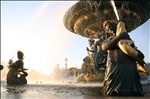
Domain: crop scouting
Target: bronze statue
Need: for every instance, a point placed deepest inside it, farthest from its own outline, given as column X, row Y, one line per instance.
column 16, row 74
column 89, row 74
column 126, row 47
column 92, row 46
column 86, row 68
column 121, row 76
column 100, row 55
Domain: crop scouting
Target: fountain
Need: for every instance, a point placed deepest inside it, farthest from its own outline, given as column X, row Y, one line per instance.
column 86, row 17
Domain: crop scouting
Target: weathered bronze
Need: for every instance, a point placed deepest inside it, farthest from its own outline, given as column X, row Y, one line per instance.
column 89, row 74
column 86, row 20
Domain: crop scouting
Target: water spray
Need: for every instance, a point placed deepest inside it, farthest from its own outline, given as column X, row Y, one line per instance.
column 115, row 9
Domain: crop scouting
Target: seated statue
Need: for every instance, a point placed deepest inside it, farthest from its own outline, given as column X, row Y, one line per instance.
column 16, row 74
column 89, row 74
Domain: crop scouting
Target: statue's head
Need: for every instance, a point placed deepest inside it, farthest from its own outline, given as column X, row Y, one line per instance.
column 91, row 41
column 86, row 59
column 109, row 27
column 20, row 55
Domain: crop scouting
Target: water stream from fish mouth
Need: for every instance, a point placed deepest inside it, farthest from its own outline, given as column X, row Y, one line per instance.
column 59, row 90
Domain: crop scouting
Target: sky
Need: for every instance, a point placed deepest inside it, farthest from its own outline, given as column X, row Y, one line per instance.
column 36, row 28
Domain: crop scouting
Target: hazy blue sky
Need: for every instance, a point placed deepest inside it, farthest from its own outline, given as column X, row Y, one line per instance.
column 36, row 28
